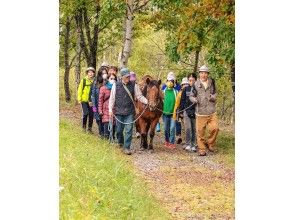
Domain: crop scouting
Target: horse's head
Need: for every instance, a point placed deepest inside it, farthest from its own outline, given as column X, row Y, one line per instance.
column 152, row 93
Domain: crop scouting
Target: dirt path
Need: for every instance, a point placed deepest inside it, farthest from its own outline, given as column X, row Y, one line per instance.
column 189, row 187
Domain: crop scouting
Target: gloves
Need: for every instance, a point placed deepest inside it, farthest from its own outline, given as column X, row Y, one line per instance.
column 94, row 109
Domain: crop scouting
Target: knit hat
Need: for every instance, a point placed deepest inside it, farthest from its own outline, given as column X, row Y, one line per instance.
column 132, row 76
column 90, row 68
column 185, row 81
column 204, row 69
column 124, row 72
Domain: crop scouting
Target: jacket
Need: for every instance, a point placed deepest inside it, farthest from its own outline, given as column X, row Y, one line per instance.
column 169, row 101
column 84, row 93
column 186, row 103
column 205, row 98
column 103, row 104
column 177, row 105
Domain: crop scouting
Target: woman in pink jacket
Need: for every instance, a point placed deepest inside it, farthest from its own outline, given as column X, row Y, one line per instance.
column 103, row 103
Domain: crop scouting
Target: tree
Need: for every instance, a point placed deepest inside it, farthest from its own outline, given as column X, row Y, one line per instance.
column 132, row 7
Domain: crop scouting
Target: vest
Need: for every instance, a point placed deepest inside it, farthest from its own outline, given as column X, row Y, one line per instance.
column 123, row 103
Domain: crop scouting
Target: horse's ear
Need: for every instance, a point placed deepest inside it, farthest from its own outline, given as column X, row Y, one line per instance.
column 159, row 82
column 147, row 81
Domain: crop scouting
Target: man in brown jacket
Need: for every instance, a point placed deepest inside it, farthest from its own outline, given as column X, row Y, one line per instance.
column 205, row 111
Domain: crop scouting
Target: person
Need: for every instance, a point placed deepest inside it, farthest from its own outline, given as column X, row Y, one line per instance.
column 103, row 72
column 112, row 70
column 103, row 104
column 170, row 95
column 133, row 77
column 189, row 115
column 84, row 98
column 176, row 115
column 121, row 99
column 205, row 111
column 177, row 87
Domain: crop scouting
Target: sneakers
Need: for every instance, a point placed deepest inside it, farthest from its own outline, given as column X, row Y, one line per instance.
column 172, row 146
column 188, row 148
column 166, row 144
column 127, row 151
column 193, row 149
column 90, row 131
column 169, row 145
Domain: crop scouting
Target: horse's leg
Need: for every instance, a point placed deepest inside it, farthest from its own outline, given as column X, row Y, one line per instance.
column 143, row 132
column 152, row 133
column 147, row 129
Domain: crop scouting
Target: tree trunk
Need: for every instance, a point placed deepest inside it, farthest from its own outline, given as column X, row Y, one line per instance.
column 196, row 60
column 66, row 61
column 126, row 51
column 233, row 88
column 79, row 51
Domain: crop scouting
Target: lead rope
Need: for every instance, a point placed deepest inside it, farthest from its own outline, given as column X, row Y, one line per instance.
column 134, row 120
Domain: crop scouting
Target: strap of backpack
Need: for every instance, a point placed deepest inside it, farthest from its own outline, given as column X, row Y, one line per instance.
column 130, row 95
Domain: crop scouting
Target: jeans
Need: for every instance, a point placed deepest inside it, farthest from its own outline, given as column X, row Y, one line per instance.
column 124, row 139
column 87, row 111
column 190, row 127
column 169, row 128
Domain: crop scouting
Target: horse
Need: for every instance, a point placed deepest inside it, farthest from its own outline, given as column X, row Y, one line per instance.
column 151, row 115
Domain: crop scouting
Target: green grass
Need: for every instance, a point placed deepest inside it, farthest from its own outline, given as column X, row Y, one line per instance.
column 226, row 148
column 98, row 182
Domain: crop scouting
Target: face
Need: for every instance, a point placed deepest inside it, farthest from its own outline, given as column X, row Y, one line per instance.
column 90, row 74
column 203, row 76
column 191, row 80
column 153, row 95
column 170, row 84
column 126, row 79
column 111, row 79
column 111, row 71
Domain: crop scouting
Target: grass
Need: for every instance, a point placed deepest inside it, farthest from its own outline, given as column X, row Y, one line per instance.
column 226, row 148
column 98, row 182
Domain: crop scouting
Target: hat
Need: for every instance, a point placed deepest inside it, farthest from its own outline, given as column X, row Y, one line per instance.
column 132, row 76
column 204, row 69
column 90, row 68
column 185, row 81
column 124, row 72
column 171, row 76
column 105, row 64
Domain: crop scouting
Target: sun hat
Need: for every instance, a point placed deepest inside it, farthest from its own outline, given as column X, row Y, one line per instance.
column 204, row 69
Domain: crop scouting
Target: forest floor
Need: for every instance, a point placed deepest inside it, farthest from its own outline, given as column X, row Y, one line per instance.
column 187, row 186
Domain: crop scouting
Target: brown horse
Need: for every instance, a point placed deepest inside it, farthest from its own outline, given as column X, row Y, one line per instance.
column 147, row 122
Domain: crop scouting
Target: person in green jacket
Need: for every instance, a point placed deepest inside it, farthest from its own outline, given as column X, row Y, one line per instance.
column 170, row 95
column 85, row 100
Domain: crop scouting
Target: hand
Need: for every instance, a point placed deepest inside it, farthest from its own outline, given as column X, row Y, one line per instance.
column 111, row 115
column 94, row 109
column 100, row 113
column 211, row 98
column 90, row 104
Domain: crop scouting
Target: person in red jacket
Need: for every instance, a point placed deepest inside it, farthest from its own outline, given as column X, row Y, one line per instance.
column 103, row 103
